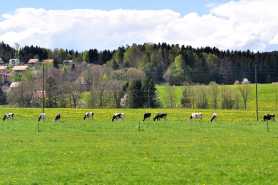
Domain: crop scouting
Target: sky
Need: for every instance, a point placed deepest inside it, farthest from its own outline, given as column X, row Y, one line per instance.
column 182, row 6
column 108, row 24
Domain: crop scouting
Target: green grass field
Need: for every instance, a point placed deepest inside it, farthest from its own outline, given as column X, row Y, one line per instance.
column 268, row 96
column 234, row 150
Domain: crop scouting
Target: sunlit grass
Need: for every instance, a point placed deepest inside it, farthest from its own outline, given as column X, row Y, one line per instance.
column 234, row 150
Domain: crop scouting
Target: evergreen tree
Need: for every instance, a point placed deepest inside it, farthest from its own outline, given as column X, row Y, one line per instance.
column 135, row 94
column 149, row 90
column 51, row 88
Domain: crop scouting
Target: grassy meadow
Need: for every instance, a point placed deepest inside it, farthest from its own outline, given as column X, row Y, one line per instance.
column 267, row 96
column 234, row 150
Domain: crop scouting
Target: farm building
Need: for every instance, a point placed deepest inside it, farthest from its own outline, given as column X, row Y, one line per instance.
column 33, row 61
column 14, row 61
column 3, row 68
column 1, row 61
column 67, row 62
column 20, row 68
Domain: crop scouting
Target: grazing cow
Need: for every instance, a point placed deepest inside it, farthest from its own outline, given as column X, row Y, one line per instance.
column 147, row 116
column 269, row 117
column 57, row 117
column 213, row 117
column 160, row 116
column 117, row 116
column 88, row 115
column 196, row 115
column 42, row 117
column 8, row 116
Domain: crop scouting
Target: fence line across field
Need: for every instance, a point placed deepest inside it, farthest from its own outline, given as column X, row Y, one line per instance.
column 181, row 116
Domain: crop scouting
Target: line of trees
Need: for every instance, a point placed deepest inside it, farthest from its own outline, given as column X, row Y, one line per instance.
column 85, row 85
column 214, row 96
column 162, row 63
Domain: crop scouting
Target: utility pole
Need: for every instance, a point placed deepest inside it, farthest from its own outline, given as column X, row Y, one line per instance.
column 256, row 80
column 149, row 101
column 43, row 88
column 43, row 97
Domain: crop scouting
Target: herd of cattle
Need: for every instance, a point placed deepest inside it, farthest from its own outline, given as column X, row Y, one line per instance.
column 120, row 116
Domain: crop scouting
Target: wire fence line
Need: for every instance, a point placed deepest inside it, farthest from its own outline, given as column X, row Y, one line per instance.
column 136, row 115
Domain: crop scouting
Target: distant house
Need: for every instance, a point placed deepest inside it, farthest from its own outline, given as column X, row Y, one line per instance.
column 67, row 62
column 14, row 61
column 3, row 68
column 48, row 61
column 14, row 84
column 20, row 68
column 1, row 61
column 33, row 61
column 38, row 94
column 245, row 81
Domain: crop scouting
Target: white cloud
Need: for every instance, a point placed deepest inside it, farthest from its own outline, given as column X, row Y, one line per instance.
column 244, row 24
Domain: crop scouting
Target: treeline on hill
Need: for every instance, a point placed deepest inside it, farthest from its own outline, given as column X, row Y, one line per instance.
column 174, row 64
column 127, row 76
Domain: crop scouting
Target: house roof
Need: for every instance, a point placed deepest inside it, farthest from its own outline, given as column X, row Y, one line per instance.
column 3, row 68
column 68, row 61
column 20, row 68
column 48, row 61
column 33, row 61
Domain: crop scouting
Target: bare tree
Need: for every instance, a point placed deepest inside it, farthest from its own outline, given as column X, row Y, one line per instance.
column 117, row 92
column 244, row 90
column 202, row 99
column 186, row 100
column 22, row 94
column 227, row 101
column 214, row 94
column 171, row 96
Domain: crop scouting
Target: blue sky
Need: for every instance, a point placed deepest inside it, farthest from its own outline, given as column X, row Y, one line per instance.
column 182, row 6
column 85, row 24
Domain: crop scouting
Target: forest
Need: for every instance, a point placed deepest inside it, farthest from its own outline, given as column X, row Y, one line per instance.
column 165, row 63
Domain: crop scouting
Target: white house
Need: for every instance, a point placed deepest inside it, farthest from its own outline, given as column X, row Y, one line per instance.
column 14, row 61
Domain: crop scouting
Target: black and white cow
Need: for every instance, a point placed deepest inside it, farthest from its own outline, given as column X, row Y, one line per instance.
column 147, row 116
column 8, row 116
column 160, row 116
column 269, row 117
column 88, row 115
column 213, row 117
column 57, row 117
column 117, row 116
column 196, row 115
column 42, row 117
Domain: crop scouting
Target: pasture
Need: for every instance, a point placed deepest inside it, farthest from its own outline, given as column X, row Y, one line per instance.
column 268, row 96
column 234, row 150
